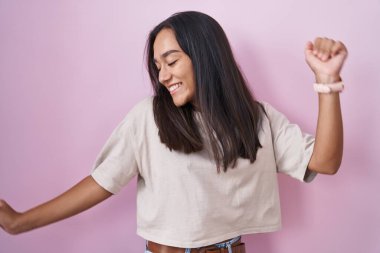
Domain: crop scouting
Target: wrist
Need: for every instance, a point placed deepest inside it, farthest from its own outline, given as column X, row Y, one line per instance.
column 326, row 79
column 16, row 224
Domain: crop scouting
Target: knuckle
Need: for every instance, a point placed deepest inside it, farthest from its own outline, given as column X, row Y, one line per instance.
column 340, row 44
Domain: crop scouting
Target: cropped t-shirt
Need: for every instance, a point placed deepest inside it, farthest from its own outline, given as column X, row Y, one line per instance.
column 182, row 200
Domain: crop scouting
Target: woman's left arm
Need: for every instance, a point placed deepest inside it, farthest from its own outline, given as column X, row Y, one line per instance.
column 325, row 58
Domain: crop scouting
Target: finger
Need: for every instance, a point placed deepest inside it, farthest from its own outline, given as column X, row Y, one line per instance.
column 317, row 43
column 318, row 47
column 338, row 48
column 309, row 47
column 310, row 58
column 325, row 49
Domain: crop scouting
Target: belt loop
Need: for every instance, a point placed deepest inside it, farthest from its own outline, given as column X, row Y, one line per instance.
column 228, row 244
column 229, row 247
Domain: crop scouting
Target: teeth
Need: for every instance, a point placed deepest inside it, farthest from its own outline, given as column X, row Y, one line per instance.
column 174, row 87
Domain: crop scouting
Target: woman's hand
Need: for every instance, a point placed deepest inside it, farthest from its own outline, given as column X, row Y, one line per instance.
column 8, row 217
column 325, row 58
column 79, row 198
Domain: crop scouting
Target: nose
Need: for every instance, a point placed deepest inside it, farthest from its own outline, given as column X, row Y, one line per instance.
column 164, row 75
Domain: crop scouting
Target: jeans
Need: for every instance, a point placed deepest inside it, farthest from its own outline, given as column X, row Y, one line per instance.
column 218, row 245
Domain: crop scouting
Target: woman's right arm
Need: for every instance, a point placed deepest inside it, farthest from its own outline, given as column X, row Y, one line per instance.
column 79, row 198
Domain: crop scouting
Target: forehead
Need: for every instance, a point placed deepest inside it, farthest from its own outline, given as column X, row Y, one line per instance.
column 165, row 41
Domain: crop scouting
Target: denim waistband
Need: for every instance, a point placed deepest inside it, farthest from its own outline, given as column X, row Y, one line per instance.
column 227, row 244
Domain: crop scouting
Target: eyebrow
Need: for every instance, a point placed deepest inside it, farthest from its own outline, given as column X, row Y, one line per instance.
column 164, row 55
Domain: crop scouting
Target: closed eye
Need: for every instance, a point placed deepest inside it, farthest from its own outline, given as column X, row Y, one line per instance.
column 172, row 63
column 169, row 64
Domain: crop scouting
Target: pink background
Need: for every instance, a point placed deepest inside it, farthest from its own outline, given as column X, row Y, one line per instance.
column 71, row 70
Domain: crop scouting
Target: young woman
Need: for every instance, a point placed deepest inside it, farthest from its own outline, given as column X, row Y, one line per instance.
column 206, row 153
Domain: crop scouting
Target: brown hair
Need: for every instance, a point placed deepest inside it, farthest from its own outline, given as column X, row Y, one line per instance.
column 231, row 115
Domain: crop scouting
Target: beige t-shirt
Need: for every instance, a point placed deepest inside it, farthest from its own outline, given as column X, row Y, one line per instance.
column 181, row 199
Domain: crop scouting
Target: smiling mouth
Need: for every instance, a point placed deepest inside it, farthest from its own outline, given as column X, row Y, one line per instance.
column 174, row 87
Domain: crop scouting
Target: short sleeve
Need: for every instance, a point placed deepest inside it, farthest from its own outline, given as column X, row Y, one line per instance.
column 116, row 163
column 292, row 147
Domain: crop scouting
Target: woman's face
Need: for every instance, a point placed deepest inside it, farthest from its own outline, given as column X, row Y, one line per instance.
column 175, row 68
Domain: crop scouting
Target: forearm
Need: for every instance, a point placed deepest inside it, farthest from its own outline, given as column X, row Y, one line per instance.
column 328, row 148
column 79, row 198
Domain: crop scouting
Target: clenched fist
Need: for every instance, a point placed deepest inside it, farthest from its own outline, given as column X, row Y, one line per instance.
column 325, row 58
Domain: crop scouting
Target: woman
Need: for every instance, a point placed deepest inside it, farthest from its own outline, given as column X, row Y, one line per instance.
column 205, row 151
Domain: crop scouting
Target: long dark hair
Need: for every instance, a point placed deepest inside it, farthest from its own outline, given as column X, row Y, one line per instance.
column 231, row 116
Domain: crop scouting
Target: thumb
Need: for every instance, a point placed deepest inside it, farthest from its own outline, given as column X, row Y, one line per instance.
column 309, row 47
column 311, row 59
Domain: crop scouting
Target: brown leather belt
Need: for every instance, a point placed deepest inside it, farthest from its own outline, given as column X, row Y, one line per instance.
column 237, row 247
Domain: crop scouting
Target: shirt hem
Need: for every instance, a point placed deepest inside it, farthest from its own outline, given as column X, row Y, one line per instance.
column 208, row 241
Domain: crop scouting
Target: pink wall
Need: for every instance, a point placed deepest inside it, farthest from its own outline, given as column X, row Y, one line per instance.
column 71, row 70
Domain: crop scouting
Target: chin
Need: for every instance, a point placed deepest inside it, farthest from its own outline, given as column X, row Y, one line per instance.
column 178, row 102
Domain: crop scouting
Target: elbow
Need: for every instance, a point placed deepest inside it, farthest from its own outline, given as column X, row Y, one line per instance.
column 326, row 166
column 332, row 165
column 332, row 170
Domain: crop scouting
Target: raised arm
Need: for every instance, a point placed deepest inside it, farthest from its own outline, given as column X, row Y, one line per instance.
column 326, row 57
column 79, row 198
